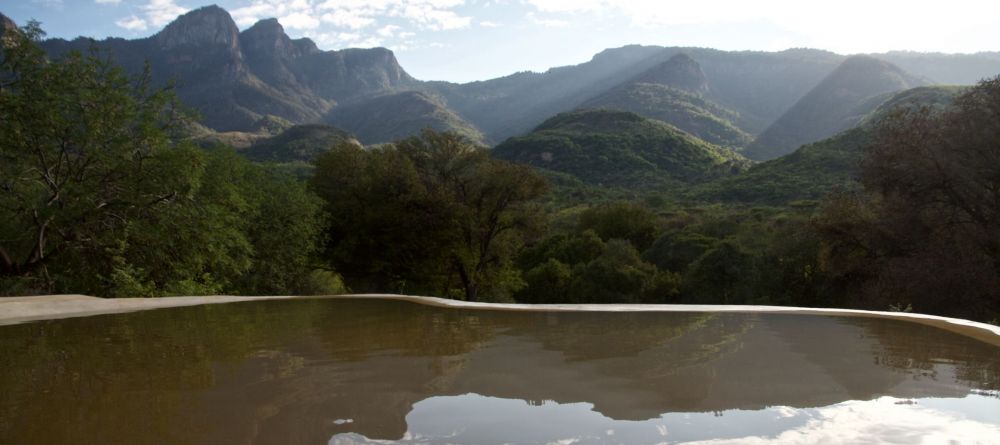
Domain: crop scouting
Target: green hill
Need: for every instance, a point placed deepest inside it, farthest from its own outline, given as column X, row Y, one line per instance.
column 815, row 169
column 396, row 116
column 620, row 149
column 686, row 111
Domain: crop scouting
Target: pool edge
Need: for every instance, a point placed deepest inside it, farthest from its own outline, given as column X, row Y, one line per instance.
column 16, row 310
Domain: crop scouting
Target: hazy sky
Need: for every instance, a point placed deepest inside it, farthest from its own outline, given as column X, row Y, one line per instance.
column 464, row 40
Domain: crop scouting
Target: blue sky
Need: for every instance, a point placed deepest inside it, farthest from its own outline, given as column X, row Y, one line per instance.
column 465, row 40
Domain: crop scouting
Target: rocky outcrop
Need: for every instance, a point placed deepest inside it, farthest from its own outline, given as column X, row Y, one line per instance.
column 210, row 26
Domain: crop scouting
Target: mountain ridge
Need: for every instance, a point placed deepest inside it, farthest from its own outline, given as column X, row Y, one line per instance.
column 236, row 78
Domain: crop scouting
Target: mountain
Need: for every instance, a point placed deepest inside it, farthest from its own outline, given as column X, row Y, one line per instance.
column 301, row 143
column 673, row 92
column 838, row 103
column 816, row 169
column 396, row 116
column 235, row 78
column 758, row 86
column 618, row 148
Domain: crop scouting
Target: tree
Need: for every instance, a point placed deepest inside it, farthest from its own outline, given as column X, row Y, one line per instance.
column 432, row 213
column 927, row 226
column 78, row 141
column 621, row 220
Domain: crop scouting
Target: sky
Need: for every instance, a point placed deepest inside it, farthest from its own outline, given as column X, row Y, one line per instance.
column 468, row 40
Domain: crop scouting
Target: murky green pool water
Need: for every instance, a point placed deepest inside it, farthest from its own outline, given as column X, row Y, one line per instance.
column 371, row 371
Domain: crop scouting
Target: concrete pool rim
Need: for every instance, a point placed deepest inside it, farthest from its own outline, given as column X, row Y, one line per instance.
column 15, row 310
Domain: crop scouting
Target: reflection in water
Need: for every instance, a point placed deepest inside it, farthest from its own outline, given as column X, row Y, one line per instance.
column 303, row 372
column 460, row 419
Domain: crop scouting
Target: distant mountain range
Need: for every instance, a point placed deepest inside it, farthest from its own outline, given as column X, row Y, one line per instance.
column 250, row 85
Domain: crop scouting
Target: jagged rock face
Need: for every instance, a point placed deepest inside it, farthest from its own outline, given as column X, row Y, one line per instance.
column 268, row 51
column 681, row 72
column 7, row 29
column 268, row 38
column 359, row 72
column 201, row 44
column 210, row 25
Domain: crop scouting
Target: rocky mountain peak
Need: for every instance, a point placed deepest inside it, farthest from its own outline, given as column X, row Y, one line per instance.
column 7, row 29
column 680, row 71
column 210, row 25
column 267, row 37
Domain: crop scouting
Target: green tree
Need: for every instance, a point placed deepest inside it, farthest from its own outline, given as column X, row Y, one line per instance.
column 78, row 144
column 431, row 213
column 618, row 275
column 622, row 220
column 722, row 275
column 95, row 196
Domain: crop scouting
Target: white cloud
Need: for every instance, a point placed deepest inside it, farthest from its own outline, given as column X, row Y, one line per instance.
column 132, row 23
column 885, row 419
column 387, row 30
column 264, row 9
column 155, row 13
column 348, row 19
column 489, row 24
column 347, row 39
column 432, row 15
column 107, row 2
column 299, row 20
column 161, row 12
column 546, row 22
column 340, row 23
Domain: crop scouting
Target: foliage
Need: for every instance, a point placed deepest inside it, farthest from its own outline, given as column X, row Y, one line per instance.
column 926, row 230
column 621, row 220
column 96, row 198
column 428, row 214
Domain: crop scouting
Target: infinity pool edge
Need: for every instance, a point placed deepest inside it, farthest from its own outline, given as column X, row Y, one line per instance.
column 15, row 310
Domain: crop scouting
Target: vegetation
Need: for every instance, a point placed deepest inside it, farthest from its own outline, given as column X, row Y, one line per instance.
column 617, row 148
column 686, row 111
column 923, row 232
column 96, row 198
column 429, row 214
